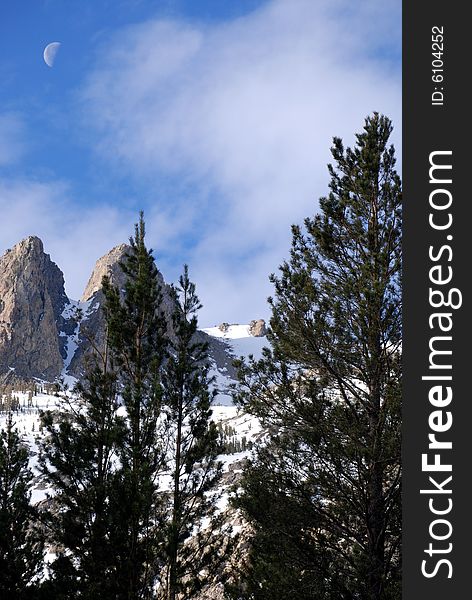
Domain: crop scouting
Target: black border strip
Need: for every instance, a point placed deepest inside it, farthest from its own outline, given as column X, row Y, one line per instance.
column 441, row 124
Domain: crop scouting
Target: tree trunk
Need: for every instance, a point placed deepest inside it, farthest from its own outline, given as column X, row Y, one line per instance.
column 173, row 576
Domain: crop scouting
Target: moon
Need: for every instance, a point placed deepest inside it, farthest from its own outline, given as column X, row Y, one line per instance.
column 50, row 52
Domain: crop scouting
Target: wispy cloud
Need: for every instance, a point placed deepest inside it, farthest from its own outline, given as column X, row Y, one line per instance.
column 245, row 111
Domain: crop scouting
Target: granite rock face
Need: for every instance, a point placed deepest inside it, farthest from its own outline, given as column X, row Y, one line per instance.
column 109, row 264
column 32, row 300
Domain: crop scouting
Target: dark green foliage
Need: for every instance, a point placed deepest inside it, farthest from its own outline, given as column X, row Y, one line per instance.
column 192, row 551
column 283, row 560
column 21, row 543
column 143, row 411
column 78, row 455
column 138, row 345
column 330, row 389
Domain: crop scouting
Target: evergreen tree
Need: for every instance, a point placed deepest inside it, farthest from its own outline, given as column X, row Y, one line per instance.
column 280, row 560
column 138, row 345
column 192, row 547
column 331, row 390
column 103, row 459
column 78, row 460
column 21, row 543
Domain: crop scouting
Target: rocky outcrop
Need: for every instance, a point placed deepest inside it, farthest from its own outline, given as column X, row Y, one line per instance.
column 32, row 299
column 258, row 328
column 106, row 265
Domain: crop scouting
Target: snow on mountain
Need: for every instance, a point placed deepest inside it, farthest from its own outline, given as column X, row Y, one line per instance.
column 71, row 312
column 239, row 340
column 234, row 341
column 231, row 332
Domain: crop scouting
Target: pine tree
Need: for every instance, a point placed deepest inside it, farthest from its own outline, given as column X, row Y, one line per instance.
column 331, row 389
column 192, row 547
column 78, row 460
column 280, row 559
column 138, row 342
column 21, row 543
column 103, row 453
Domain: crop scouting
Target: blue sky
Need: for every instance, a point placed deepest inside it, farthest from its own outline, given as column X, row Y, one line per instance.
column 215, row 117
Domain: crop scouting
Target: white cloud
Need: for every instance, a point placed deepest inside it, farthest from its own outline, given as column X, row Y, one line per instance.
column 247, row 109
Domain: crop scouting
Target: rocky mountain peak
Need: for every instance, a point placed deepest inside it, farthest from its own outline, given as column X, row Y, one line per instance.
column 109, row 264
column 30, row 245
column 32, row 298
column 46, row 336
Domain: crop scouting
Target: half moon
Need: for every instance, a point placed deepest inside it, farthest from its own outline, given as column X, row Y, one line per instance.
column 50, row 52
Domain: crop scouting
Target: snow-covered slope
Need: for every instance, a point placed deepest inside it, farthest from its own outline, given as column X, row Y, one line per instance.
column 239, row 339
column 234, row 341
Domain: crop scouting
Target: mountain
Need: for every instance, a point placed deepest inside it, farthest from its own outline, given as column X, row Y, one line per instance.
column 90, row 328
column 46, row 336
column 32, row 324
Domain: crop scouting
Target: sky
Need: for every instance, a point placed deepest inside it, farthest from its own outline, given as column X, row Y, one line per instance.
column 214, row 117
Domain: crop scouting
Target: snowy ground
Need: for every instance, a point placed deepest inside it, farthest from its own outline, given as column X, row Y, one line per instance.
column 245, row 425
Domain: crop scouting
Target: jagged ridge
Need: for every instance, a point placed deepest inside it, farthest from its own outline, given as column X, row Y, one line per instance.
column 40, row 337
